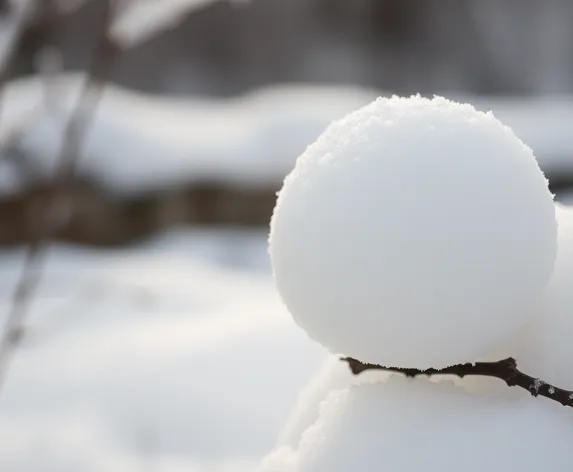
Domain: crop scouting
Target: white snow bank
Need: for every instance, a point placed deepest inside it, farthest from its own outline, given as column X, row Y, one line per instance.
column 415, row 233
column 418, row 425
column 175, row 354
column 141, row 142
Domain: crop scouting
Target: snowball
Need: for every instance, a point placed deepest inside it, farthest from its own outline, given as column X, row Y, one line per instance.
column 418, row 425
column 544, row 348
column 413, row 232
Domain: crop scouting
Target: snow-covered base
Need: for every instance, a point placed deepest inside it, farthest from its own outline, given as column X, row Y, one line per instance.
column 141, row 142
column 423, row 426
column 175, row 356
column 333, row 375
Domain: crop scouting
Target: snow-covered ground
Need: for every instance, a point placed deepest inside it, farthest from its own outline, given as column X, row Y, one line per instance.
column 175, row 355
column 141, row 142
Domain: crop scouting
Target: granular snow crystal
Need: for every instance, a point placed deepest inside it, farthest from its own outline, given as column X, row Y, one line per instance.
column 414, row 232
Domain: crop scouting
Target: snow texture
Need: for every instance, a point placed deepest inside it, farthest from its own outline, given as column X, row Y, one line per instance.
column 414, row 232
column 418, row 425
column 333, row 375
column 544, row 348
column 140, row 143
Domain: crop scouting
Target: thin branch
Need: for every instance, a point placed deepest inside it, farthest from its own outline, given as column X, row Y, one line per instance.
column 505, row 369
column 50, row 219
column 13, row 39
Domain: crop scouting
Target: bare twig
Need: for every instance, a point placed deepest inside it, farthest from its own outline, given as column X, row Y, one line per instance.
column 505, row 369
column 13, row 41
column 49, row 220
column 11, row 150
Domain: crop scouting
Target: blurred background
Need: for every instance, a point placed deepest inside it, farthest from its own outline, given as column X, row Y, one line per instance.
column 149, row 138
column 489, row 47
column 266, row 76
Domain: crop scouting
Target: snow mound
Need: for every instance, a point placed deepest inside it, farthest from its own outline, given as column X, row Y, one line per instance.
column 418, row 425
column 414, row 232
column 333, row 375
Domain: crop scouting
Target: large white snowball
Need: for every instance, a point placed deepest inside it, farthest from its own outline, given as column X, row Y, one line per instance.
column 423, row 426
column 413, row 232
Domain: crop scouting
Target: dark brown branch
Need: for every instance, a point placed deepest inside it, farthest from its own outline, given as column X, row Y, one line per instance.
column 505, row 370
column 48, row 221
